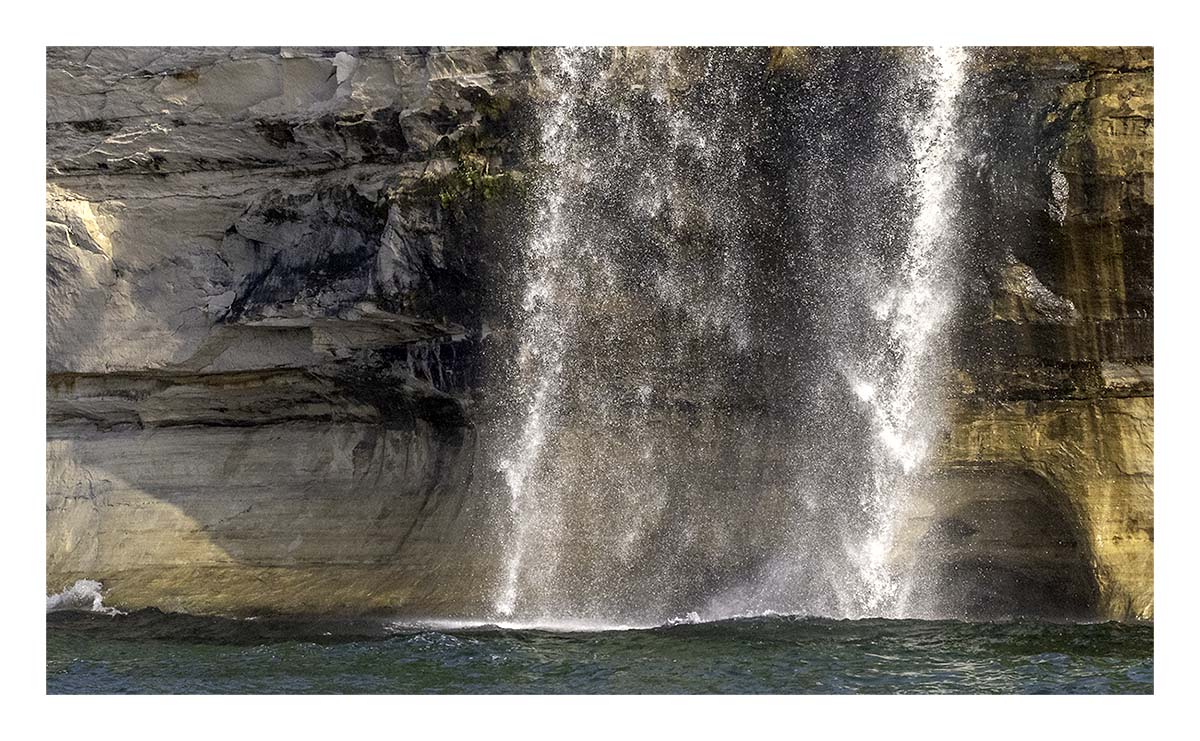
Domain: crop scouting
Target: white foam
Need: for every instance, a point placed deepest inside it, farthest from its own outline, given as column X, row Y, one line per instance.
column 590, row 626
column 549, row 626
column 84, row 595
column 692, row 618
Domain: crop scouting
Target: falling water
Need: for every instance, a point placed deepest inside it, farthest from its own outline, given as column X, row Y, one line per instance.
column 663, row 459
column 896, row 383
column 547, row 310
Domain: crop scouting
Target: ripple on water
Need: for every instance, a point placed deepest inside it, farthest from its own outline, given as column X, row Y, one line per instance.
column 160, row 653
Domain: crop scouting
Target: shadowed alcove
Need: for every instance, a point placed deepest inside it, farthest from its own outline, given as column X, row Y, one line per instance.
column 998, row 542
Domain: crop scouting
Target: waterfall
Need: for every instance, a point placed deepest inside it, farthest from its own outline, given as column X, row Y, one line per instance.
column 547, row 310
column 675, row 441
column 899, row 387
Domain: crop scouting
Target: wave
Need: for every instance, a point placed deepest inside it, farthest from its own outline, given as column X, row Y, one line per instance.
column 84, row 595
column 722, row 620
column 586, row 626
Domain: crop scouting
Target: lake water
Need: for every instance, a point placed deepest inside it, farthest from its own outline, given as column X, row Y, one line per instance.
column 153, row 652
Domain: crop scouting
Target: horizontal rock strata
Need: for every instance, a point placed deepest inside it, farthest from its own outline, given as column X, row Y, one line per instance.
column 271, row 287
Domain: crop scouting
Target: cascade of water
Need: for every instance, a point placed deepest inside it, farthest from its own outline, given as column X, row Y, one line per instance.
column 897, row 383
column 547, row 309
column 624, row 304
column 654, row 465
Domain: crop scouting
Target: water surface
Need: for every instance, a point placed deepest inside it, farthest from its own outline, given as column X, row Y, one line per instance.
column 153, row 652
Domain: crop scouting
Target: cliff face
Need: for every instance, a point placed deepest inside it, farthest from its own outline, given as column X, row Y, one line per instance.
column 273, row 279
column 1057, row 362
column 259, row 302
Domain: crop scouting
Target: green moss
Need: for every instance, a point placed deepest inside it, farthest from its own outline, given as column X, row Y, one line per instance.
column 475, row 150
column 471, row 179
column 493, row 108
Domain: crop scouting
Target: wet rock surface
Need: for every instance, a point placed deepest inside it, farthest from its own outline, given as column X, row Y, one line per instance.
column 1057, row 364
column 274, row 286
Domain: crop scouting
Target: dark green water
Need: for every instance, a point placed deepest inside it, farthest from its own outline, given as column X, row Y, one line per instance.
column 150, row 652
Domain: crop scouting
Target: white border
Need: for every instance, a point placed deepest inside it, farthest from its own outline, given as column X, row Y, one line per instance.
column 29, row 29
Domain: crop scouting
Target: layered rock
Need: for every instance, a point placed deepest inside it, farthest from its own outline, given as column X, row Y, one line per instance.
column 273, row 276
column 1057, row 362
column 260, row 306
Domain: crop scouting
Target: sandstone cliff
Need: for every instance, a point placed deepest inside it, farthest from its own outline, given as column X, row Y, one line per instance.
column 1058, row 377
column 272, row 281
column 257, row 308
